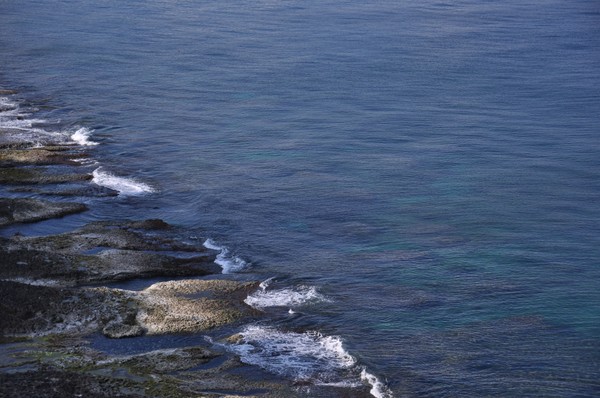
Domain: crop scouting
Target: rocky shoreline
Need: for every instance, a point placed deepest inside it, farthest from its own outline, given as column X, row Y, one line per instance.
column 53, row 292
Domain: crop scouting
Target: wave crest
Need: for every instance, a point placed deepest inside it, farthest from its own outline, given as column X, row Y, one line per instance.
column 125, row 186
column 228, row 262
column 288, row 297
column 82, row 137
column 303, row 356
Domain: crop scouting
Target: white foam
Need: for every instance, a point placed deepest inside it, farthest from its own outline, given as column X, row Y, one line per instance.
column 86, row 161
column 228, row 263
column 302, row 356
column 13, row 122
column 378, row 389
column 82, row 137
column 7, row 105
column 288, row 297
column 125, row 186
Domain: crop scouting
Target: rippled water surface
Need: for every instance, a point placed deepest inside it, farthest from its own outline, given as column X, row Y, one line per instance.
column 426, row 174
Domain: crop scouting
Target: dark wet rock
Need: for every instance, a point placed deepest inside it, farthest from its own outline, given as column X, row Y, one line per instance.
column 30, row 210
column 152, row 224
column 39, row 310
column 38, row 175
column 113, row 264
column 95, row 191
column 47, row 368
column 193, row 305
column 117, row 330
column 106, row 266
column 8, row 92
column 104, row 252
column 52, row 383
column 124, row 235
column 169, row 360
column 39, row 156
column 38, row 266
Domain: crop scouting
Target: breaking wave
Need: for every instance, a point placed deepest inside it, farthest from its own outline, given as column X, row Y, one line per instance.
column 125, row 186
column 82, row 137
column 288, row 297
column 303, row 356
column 229, row 263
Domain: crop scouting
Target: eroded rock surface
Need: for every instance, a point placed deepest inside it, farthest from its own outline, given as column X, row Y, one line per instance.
column 31, row 310
column 193, row 305
column 29, row 210
column 40, row 156
column 104, row 252
column 38, row 175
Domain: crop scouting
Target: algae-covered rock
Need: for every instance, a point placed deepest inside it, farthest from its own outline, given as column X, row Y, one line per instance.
column 117, row 330
column 53, row 383
column 30, row 210
column 166, row 360
column 39, row 310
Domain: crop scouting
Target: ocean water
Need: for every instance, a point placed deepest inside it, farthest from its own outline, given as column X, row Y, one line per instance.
column 417, row 182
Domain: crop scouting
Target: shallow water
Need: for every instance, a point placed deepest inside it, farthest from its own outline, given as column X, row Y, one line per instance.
column 432, row 169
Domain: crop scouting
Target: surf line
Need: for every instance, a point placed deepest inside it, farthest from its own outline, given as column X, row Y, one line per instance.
column 229, row 264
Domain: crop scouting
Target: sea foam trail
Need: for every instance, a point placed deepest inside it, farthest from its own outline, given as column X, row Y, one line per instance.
column 13, row 117
column 288, row 297
column 378, row 389
column 303, row 356
column 21, row 124
column 310, row 356
column 125, row 186
column 82, row 137
column 228, row 263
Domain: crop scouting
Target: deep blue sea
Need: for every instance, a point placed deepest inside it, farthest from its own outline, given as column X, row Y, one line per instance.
column 421, row 179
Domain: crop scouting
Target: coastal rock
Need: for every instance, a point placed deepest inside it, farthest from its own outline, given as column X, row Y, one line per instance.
column 104, row 252
column 117, row 330
column 8, row 92
column 166, row 360
column 95, row 191
column 37, row 175
column 39, row 156
column 124, row 235
column 40, row 310
column 58, row 367
column 52, row 383
column 109, row 265
column 30, row 210
column 151, row 224
column 193, row 305
column 167, row 307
